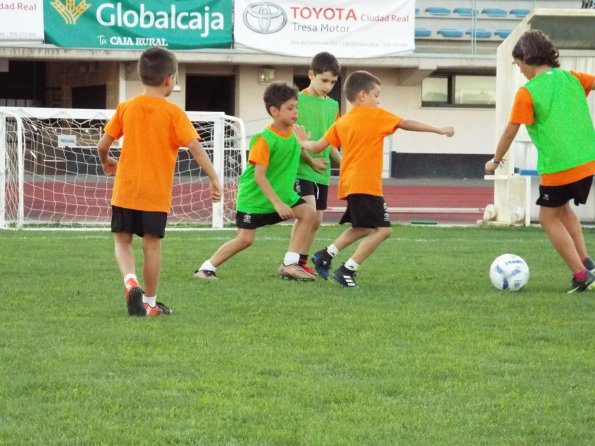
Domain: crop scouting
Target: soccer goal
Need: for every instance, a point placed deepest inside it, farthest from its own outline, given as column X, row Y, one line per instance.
column 50, row 175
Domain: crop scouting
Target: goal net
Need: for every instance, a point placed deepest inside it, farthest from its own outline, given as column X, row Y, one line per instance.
column 50, row 175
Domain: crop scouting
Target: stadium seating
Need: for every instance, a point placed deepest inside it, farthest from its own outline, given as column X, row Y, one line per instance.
column 519, row 12
column 479, row 33
column 450, row 32
column 465, row 12
column 437, row 10
column 494, row 12
column 422, row 32
column 503, row 33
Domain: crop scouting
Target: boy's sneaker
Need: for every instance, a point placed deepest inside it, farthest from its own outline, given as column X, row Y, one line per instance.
column 322, row 263
column 587, row 283
column 157, row 310
column 134, row 298
column 294, row 272
column 589, row 264
column 345, row 277
column 205, row 274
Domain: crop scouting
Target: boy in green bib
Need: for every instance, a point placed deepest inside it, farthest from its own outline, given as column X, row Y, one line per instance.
column 553, row 107
column 265, row 192
column 317, row 112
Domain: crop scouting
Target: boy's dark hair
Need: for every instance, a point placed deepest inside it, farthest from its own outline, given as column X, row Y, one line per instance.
column 535, row 48
column 277, row 93
column 155, row 64
column 324, row 62
column 358, row 81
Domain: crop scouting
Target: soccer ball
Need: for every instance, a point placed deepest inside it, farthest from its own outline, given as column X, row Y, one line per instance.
column 509, row 272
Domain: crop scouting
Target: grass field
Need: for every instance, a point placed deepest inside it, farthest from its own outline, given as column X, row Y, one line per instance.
column 426, row 353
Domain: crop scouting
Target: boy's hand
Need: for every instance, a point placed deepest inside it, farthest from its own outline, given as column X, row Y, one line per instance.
column 448, row 131
column 284, row 211
column 319, row 164
column 110, row 166
column 215, row 189
column 490, row 167
column 300, row 133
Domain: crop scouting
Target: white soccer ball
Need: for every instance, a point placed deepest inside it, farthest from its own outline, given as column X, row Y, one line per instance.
column 509, row 272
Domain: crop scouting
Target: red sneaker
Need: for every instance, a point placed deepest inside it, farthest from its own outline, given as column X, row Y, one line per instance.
column 134, row 298
column 308, row 269
column 157, row 310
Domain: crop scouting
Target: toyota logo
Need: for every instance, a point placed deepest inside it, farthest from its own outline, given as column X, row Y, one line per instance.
column 265, row 18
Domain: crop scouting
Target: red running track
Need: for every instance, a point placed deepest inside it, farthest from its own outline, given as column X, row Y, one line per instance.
column 428, row 196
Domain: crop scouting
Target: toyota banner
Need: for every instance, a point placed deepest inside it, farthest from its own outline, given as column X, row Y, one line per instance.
column 345, row 28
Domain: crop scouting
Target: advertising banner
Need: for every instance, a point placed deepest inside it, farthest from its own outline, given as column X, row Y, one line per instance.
column 128, row 24
column 21, row 20
column 345, row 28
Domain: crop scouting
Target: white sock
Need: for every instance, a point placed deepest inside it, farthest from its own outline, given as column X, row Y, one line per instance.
column 351, row 265
column 208, row 266
column 150, row 300
column 127, row 277
column 332, row 250
column 291, row 258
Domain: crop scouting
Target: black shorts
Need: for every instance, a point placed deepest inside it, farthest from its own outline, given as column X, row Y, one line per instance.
column 140, row 223
column 556, row 196
column 366, row 211
column 320, row 192
column 246, row 220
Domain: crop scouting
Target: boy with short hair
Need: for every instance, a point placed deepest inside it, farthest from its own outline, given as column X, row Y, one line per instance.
column 265, row 192
column 360, row 133
column 317, row 112
column 553, row 107
column 141, row 198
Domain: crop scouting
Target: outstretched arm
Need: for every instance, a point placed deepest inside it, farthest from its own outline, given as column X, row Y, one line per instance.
column 503, row 145
column 204, row 162
column 303, row 139
column 416, row 126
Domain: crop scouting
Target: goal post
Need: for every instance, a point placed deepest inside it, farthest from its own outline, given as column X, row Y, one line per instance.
column 50, row 175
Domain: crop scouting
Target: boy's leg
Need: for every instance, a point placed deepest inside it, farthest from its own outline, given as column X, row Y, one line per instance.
column 304, row 228
column 560, row 237
column 244, row 239
column 373, row 239
column 573, row 226
column 126, row 263
column 151, row 264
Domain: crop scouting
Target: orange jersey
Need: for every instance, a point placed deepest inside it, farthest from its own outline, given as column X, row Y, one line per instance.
column 360, row 134
column 153, row 129
column 522, row 113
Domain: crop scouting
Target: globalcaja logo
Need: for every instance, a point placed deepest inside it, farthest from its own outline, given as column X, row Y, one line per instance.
column 70, row 11
column 265, row 18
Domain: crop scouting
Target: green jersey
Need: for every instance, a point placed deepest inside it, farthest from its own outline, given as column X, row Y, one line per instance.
column 283, row 158
column 316, row 115
column 562, row 129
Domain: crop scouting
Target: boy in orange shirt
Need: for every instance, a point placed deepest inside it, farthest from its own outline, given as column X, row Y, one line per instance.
column 360, row 134
column 155, row 129
column 553, row 107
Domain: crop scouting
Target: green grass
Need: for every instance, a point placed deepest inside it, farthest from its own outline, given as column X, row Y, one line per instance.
column 426, row 353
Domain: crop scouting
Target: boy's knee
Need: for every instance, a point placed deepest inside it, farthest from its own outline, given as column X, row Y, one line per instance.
column 386, row 231
column 244, row 243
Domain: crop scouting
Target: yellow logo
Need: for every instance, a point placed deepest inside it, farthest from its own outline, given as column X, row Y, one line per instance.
column 70, row 11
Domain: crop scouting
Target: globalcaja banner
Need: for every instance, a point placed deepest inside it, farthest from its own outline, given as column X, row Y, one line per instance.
column 345, row 28
column 21, row 20
column 126, row 24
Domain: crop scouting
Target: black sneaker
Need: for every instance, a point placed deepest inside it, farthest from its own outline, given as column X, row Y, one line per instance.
column 587, row 283
column 345, row 277
column 322, row 263
column 589, row 264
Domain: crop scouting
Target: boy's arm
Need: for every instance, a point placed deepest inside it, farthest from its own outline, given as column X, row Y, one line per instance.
column 108, row 163
column 284, row 211
column 205, row 164
column 336, row 156
column 318, row 164
column 303, row 139
column 503, row 145
column 416, row 126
